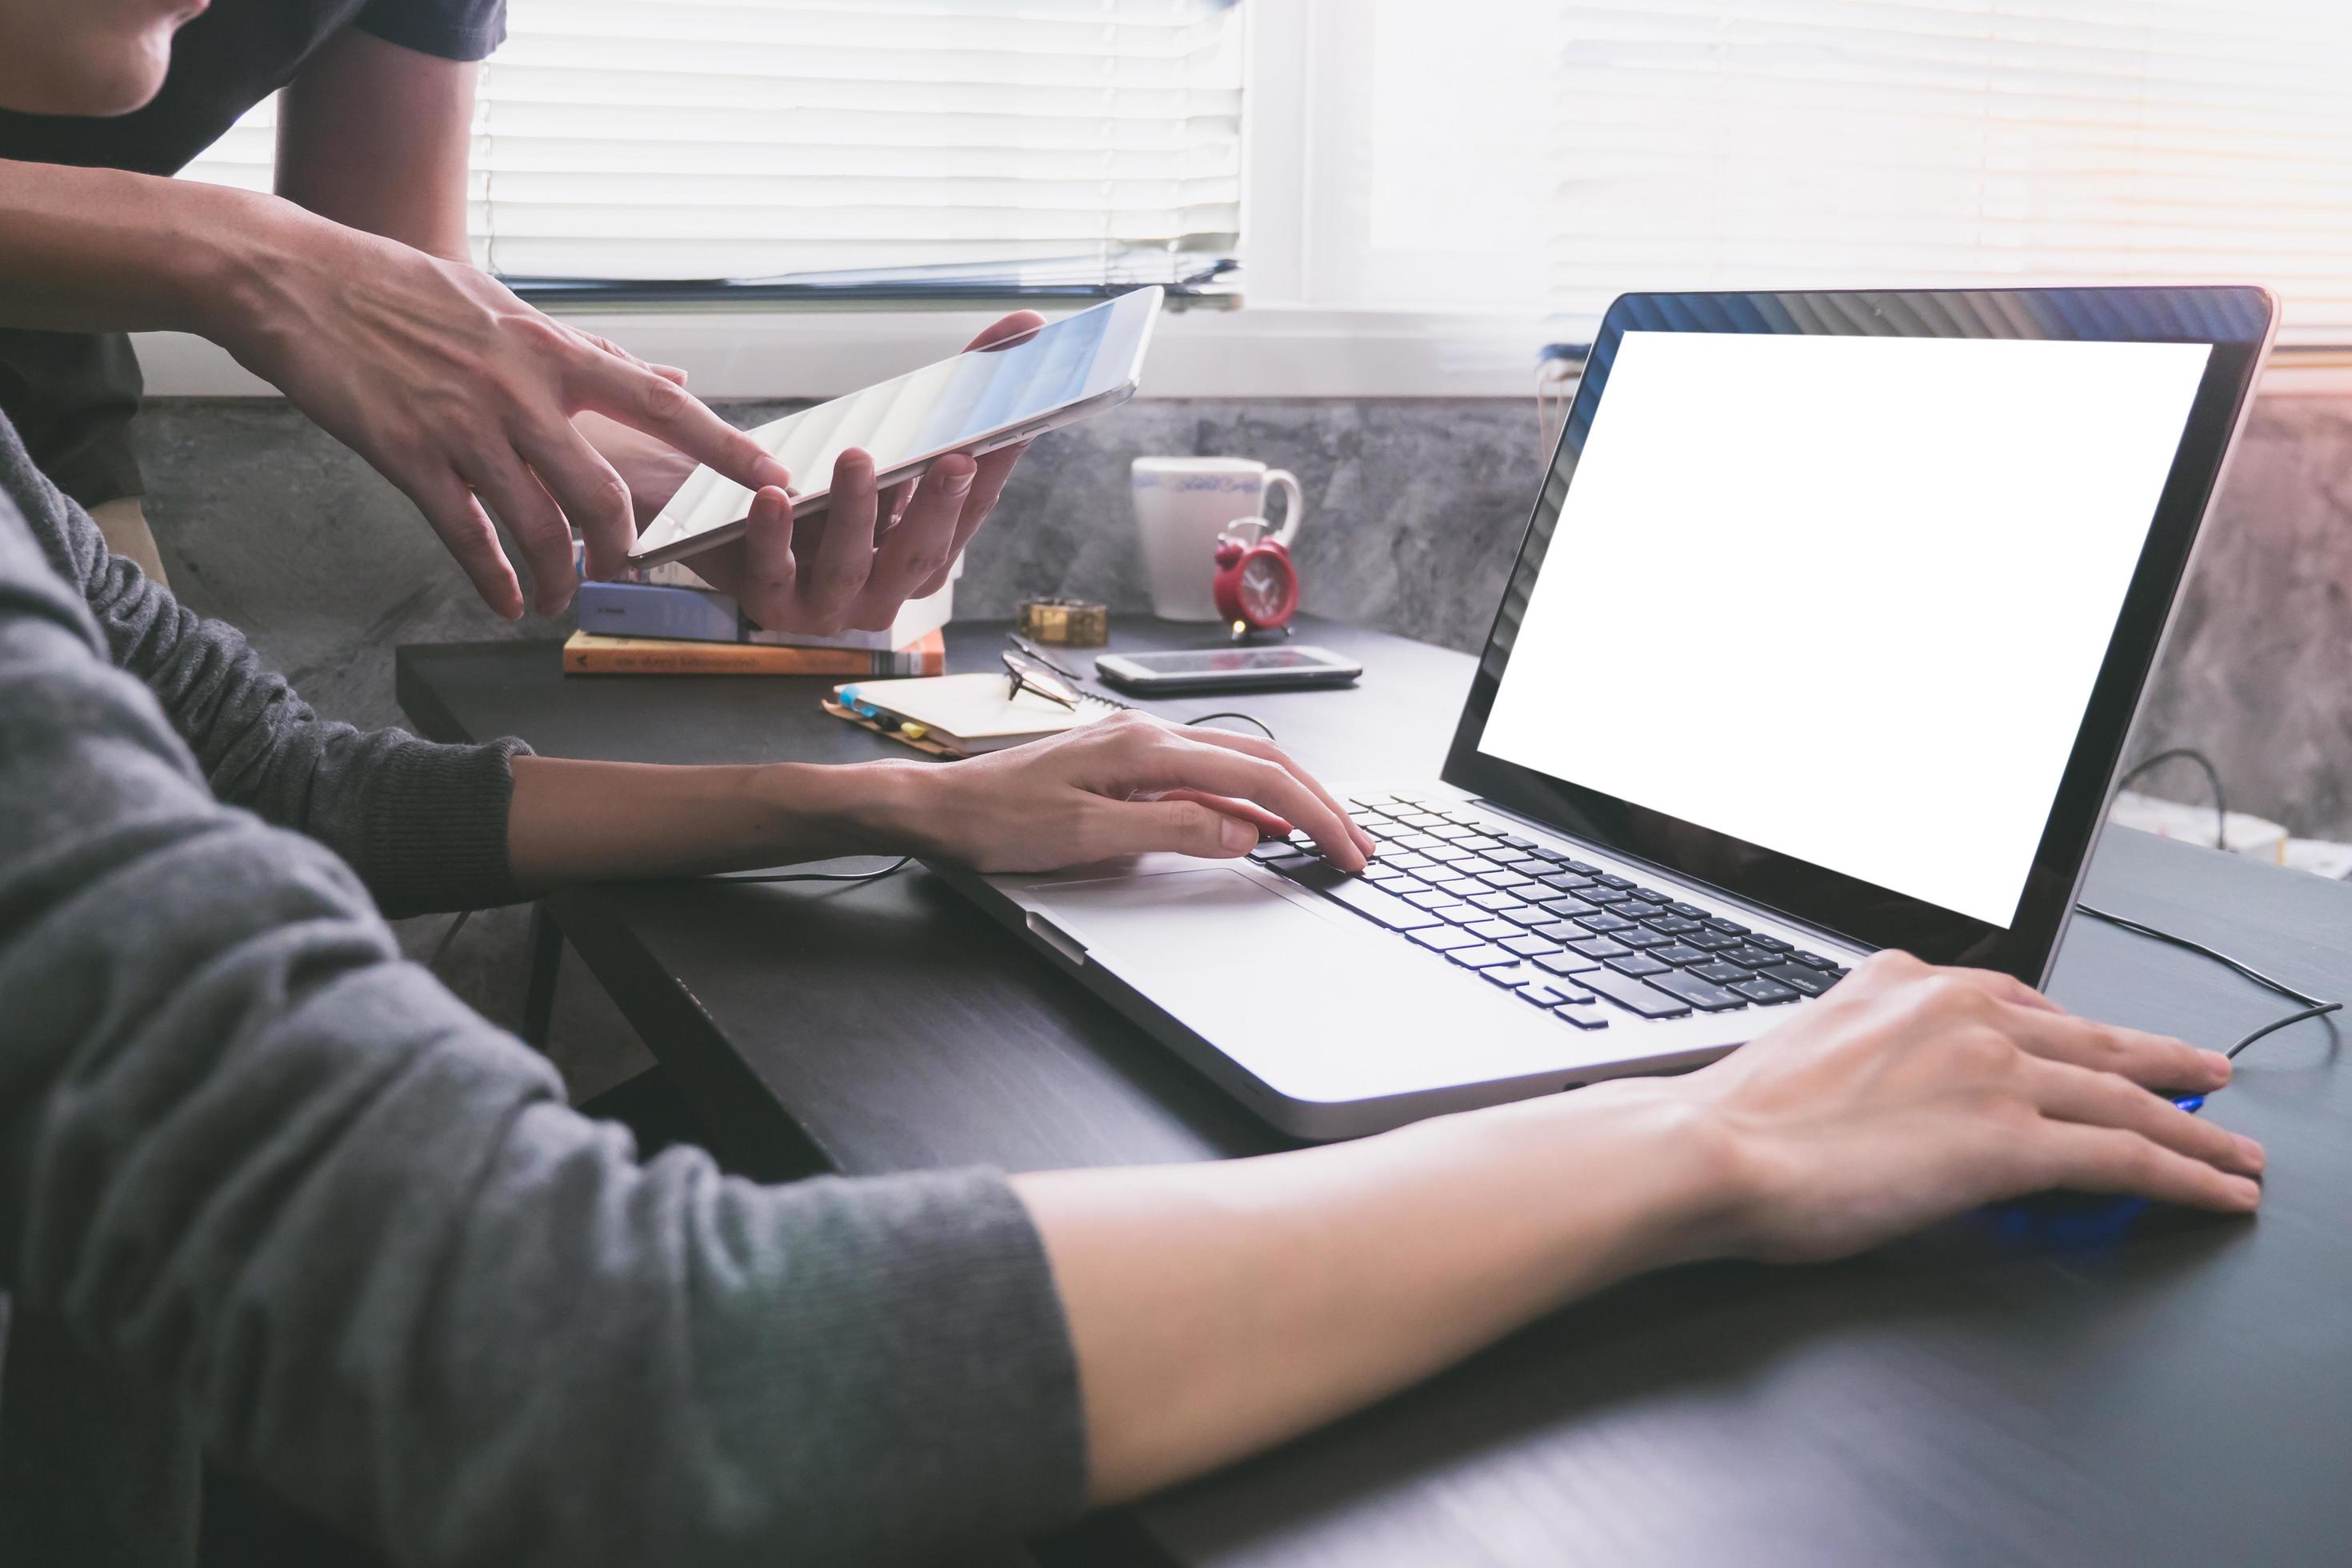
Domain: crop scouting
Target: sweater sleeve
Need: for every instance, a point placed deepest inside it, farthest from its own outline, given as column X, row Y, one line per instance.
column 254, row 1160
column 423, row 825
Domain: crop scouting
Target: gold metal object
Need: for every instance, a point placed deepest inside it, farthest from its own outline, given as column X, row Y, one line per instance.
column 1064, row 623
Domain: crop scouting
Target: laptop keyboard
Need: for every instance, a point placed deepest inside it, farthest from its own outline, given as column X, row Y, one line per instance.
column 1584, row 945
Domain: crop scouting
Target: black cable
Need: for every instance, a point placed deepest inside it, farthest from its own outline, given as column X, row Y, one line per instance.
column 1263, row 728
column 2313, row 1007
column 892, row 869
column 2212, row 777
column 441, row 948
column 2321, row 1011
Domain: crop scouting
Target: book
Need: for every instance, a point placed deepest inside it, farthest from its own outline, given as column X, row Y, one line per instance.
column 644, row 610
column 959, row 715
column 917, row 618
column 672, row 600
column 587, row 652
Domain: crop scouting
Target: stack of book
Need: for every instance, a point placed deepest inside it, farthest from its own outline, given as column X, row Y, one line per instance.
column 665, row 620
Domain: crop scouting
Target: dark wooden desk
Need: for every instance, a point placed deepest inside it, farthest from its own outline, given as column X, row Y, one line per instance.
column 2182, row 1396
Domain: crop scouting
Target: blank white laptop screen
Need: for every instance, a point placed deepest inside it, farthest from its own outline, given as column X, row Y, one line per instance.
column 1845, row 597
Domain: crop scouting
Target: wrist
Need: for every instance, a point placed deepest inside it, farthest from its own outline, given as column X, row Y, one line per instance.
column 869, row 809
column 1683, row 1185
column 238, row 273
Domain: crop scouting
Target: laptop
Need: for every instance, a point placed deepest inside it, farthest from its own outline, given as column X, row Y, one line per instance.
column 1823, row 637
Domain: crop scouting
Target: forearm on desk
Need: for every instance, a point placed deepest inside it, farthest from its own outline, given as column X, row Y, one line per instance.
column 1218, row 1309
column 571, row 821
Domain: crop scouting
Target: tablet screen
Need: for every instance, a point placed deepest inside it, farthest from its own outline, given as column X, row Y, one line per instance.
column 941, row 408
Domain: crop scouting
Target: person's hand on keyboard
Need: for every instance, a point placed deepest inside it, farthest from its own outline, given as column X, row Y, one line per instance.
column 1910, row 1093
column 1127, row 785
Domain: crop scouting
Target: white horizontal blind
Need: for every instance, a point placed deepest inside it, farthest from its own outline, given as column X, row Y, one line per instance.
column 682, row 139
column 1764, row 143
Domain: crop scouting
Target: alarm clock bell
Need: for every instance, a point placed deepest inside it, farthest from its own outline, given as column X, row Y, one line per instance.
column 1256, row 584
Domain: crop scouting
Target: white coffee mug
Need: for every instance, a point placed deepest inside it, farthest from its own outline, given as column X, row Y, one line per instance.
column 1181, row 504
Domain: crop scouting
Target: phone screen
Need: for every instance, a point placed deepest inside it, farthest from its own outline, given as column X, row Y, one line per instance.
column 957, row 402
column 1232, row 660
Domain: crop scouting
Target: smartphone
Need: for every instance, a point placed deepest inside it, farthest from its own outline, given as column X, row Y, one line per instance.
column 1195, row 670
column 976, row 401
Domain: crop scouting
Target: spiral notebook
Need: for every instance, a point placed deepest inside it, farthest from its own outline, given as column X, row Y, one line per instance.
column 959, row 715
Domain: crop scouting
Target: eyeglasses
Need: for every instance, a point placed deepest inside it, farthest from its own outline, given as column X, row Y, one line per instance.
column 1027, row 674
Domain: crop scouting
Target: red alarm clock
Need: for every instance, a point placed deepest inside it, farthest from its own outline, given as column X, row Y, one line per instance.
column 1256, row 584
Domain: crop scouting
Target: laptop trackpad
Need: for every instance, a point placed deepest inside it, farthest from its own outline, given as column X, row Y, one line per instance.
column 1316, row 1002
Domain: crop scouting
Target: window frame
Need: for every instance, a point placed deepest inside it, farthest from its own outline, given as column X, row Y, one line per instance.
column 1277, row 339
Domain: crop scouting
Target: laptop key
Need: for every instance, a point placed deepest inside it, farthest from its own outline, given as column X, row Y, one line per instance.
column 1508, row 976
column 1749, row 957
column 1673, row 925
column 1796, row 976
column 1529, row 916
column 1604, row 924
column 1637, row 963
column 1541, row 996
column 1561, row 932
column 1571, row 909
column 1718, row 973
column 1709, row 940
column 1728, row 927
column 1584, row 1018
column 1635, row 996
column 1679, row 955
column 1640, row 937
column 1775, row 943
column 1486, row 955
column 1697, row 993
column 1458, row 914
column 1492, row 929
column 1460, row 887
column 1428, row 900
column 1601, row 947
column 1688, row 911
column 1278, row 849
column 1527, row 946
column 1491, row 900
column 1384, row 909
column 1813, row 960
column 1563, row 962
column 1404, row 884
column 1765, row 993
column 1445, row 939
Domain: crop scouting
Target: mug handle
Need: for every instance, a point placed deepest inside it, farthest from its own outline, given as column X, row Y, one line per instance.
column 1284, row 479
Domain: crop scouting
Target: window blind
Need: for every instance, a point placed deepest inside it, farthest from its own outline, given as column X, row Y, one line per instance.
column 707, row 138
column 1770, row 143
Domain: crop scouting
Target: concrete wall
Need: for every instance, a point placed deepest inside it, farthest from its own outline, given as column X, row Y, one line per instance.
column 1414, row 509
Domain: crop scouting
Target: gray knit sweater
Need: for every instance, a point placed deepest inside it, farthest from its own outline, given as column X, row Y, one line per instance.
column 268, row 1191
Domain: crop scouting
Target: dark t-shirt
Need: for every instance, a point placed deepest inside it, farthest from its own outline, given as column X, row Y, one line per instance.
column 72, row 395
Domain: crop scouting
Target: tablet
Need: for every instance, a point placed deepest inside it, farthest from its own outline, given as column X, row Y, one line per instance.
column 976, row 401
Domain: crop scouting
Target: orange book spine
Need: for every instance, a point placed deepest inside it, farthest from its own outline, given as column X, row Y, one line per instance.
column 584, row 653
